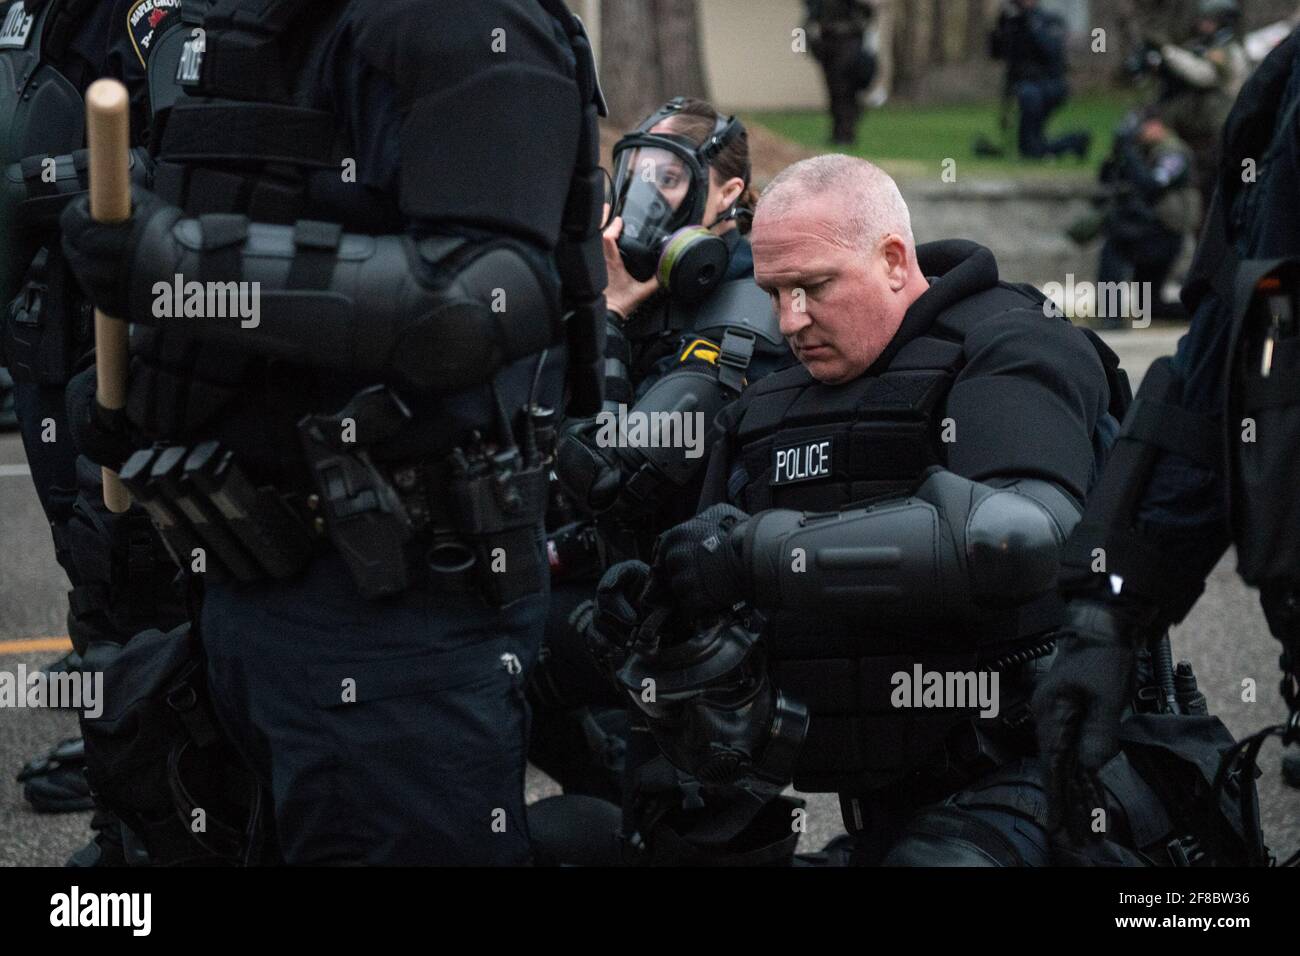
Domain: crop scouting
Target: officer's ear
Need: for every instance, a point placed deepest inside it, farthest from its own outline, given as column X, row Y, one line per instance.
column 897, row 263
column 728, row 193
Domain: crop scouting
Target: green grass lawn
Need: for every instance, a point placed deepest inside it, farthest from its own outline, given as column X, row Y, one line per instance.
column 916, row 139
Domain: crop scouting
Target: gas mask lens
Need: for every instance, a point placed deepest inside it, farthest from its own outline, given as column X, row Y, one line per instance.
column 654, row 187
column 654, row 193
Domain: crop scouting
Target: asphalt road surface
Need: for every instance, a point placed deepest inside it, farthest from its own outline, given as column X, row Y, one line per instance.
column 1225, row 638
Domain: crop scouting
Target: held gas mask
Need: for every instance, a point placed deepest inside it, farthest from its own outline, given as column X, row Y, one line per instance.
column 660, row 188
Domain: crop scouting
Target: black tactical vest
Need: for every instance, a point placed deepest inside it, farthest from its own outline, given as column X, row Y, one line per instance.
column 805, row 446
column 235, row 131
column 42, row 115
column 251, row 134
column 41, row 110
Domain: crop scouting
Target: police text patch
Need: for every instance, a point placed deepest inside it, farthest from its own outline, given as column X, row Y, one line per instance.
column 804, row 461
column 143, row 20
column 17, row 27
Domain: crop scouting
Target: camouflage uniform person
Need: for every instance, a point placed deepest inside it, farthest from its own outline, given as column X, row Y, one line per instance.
column 1202, row 78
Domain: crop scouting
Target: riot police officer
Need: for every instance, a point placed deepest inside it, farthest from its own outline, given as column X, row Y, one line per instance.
column 122, row 579
column 351, row 444
column 1203, row 462
column 1032, row 42
column 688, row 329
column 1201, row 78
column 1153, row 206
column 890, row 514
column 837, row 37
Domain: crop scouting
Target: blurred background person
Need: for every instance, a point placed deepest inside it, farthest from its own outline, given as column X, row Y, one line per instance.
column 1152, row 206
column 1200, row 76
column 838, row 38
column 1031, row 41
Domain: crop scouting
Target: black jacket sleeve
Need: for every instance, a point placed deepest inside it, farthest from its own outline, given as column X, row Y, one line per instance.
column 1027, row 403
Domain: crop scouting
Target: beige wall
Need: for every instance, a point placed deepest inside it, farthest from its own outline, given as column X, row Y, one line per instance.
column 748, row 56
column 747, row 53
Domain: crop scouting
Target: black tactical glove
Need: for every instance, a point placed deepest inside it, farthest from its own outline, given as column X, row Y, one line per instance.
column 102, row 255
column 101, row 434
column 702, row 563
column 591, row 475
column 1078, row 706
column 618, row 612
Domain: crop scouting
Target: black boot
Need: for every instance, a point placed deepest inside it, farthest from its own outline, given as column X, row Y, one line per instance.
column 1291, row 768
column 105, row 848
column 69, row 663
column 55, row 782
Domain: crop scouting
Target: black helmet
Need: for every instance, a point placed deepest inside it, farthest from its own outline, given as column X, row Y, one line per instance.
column 1222, row 10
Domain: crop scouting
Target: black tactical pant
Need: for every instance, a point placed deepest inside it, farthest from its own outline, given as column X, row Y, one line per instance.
column 1038, row 100
column 42, row 414
column 579, row 717
column 1147, row 257
column 386, row 732
column 122, row 579
column 839, row 55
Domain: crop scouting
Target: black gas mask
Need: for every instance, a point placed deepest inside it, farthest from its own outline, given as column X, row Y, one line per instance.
column 660, row 188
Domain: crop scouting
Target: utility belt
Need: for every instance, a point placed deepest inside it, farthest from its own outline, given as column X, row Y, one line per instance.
column 469, row 523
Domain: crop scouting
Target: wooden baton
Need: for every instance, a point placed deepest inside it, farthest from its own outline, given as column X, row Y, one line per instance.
column 108, row 137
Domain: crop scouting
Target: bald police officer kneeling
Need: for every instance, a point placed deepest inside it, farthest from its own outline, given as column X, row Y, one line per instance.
column 894, row 510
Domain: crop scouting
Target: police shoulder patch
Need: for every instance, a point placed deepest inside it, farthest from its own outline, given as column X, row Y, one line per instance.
column 143, row 20
column 17, row 28
column 803, row 461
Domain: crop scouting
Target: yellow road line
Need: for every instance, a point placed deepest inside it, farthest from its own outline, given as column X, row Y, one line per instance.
column 34, row 645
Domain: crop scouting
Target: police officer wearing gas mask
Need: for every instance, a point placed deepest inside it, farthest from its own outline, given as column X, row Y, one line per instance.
column 887, row 515
column 355, row 452
column 687, row 331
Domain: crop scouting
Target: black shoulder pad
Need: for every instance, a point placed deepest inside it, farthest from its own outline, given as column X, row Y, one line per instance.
column 959, row 319
column 738, row 304
column 491, row 111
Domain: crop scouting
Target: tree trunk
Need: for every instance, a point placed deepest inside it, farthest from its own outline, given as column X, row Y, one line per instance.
column 650, row 51
column 629, row 73
column 913, row 44
column 681, row 62
column 952, row 27
column 887, row 34
column 977, row 29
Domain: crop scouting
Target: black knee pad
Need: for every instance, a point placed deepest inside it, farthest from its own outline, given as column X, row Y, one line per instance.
column 948, row 836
